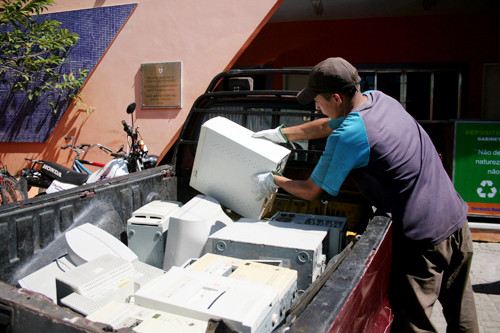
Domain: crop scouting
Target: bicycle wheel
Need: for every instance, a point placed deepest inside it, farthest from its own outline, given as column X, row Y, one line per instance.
column 10, row 190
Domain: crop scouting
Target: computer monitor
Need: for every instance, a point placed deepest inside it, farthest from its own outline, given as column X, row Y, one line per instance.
column 226, row 157
column 189, row 228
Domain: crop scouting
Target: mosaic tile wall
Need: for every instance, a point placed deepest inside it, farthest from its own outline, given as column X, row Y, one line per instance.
column 96, row 27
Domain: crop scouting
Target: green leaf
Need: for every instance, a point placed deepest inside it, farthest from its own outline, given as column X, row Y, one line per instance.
column 31, row 52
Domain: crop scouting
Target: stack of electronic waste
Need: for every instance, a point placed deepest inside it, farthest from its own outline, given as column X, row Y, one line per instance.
column 105, row 280
column 118, row 289
column 247, row 273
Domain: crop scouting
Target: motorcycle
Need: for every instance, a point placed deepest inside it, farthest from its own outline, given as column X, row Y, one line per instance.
column 53, row 177
column 136, row 157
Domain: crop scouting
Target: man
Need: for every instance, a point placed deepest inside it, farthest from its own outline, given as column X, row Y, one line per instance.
column 394, row 163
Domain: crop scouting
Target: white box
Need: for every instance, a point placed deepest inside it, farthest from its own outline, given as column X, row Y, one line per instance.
column 226, row 157
column 142, row 319
column 147, row 230
column 249, row 307
column 298, row 246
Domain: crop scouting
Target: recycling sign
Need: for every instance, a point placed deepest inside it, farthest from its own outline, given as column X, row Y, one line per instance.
column 486, row 189
column 476, row 170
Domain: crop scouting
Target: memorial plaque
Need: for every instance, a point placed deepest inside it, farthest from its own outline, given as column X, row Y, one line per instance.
column 161, row 85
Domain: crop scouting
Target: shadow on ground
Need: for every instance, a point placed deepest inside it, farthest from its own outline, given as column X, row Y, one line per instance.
column 487, row 288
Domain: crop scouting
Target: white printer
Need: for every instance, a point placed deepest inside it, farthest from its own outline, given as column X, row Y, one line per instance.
column 283, row 279
column 249, row 307
column 88, row 287
column 142, row 319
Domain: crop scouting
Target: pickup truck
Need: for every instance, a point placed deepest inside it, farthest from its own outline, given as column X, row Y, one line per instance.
column 351, row 294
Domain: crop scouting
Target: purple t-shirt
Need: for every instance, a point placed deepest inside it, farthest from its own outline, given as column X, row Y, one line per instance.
column 395, row 164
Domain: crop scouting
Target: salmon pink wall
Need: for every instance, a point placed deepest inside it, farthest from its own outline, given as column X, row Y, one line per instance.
column 470, row 40
column 206, row 36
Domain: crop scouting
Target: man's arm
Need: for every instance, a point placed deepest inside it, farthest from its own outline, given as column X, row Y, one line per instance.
column 315, row 129
column 305, row 189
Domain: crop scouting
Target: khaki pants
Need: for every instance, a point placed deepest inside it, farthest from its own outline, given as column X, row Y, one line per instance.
column 421, row 275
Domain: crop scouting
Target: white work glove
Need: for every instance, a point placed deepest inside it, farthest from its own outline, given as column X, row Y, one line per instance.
column 264, row 184
column 275, row 135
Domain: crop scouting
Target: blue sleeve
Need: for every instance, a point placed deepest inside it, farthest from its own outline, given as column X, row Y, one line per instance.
column 347, row 148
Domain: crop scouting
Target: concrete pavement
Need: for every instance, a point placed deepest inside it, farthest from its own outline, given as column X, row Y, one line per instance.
column 485, row 278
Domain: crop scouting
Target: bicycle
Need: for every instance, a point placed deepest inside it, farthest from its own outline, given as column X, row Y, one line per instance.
column 43, row 174
column 11, row 190
column 82, row 148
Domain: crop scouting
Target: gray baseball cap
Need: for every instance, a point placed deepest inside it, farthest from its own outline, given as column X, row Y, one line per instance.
column 332, row 75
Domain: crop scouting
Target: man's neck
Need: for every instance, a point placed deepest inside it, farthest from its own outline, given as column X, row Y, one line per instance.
column 358, row 99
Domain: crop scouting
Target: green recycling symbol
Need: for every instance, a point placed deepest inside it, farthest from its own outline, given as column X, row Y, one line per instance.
column 486, row 189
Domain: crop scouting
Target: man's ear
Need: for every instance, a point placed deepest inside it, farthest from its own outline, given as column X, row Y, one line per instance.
column 337, row 98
